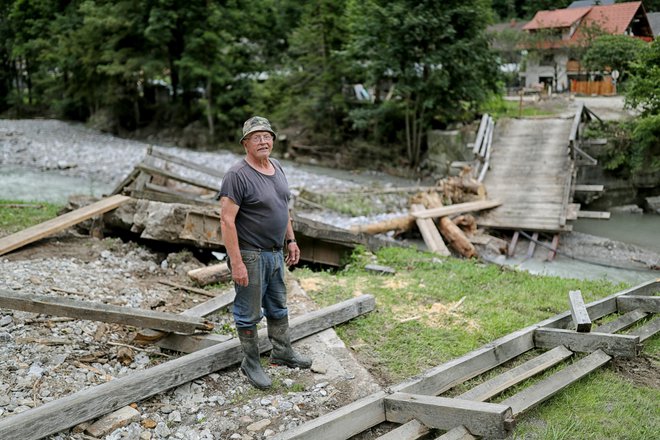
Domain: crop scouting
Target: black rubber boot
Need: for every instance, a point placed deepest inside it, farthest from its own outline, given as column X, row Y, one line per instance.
column 250, row 366
column 282, row 353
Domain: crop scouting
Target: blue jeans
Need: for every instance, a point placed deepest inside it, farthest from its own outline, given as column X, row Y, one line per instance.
column 265, row 294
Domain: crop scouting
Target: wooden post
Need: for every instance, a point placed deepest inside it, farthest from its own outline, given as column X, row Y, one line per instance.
column 579, row 312
column 457, row 238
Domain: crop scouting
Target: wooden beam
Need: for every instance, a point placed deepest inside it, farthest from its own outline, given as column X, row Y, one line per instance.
column 412, row 430
column 623, row 322
column 543, row 390
column 187, row 288
column 141, row 318
column 170, row 175
column 511, row 250
column 516, row 375
column 598, row 215
column 37, row 232
column 186, row 163
column 93, row 402
column 430, row 232
column 590, row 188
column 490, row 420
column 614, row 345
column 649, row 304
column 647, row 330
column 458, row 208
column 579, row 312
column 458, row 433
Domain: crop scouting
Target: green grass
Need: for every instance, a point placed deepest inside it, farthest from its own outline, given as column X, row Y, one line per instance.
column 434, row 310
column 24, row 214
column 499, row 107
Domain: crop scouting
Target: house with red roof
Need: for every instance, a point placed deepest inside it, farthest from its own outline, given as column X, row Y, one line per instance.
column 557, row 39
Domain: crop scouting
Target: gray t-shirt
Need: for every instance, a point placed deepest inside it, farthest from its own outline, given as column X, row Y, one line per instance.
column 263, row 204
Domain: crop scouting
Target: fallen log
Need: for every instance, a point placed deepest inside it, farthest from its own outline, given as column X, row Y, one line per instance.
column 50, row 305
column 96, row 401
column 403, row 223
column 216, row 273
column 457, row 238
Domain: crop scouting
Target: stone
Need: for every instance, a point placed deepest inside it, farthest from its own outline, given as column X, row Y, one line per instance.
column 258, row 426
column 113, row 421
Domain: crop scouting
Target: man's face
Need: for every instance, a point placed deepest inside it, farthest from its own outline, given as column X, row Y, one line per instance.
column 259, row 144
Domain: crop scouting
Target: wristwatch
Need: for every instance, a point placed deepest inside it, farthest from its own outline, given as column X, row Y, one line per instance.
column 290, row 240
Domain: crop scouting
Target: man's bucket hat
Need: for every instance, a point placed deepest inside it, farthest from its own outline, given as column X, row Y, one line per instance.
column 256, row 123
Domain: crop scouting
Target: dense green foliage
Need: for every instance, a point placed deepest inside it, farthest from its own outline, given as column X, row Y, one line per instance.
column 128, row 65
column 616, row 52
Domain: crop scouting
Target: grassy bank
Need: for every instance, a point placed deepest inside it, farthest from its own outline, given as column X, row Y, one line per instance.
column 434, row 310
column 17, row 215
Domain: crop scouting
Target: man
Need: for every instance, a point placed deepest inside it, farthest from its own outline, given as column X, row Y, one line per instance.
column 255, row 225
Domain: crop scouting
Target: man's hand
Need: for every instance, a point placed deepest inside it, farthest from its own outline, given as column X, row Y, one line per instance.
column 239, row 274
column 293, row 254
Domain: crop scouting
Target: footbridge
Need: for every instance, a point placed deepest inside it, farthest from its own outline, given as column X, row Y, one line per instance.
column 530, row 165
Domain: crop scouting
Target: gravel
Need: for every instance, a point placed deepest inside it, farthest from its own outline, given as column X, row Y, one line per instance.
column 44, row 358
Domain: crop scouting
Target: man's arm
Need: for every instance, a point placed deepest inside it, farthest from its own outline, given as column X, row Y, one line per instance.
column 293, row 251
column 228, row 212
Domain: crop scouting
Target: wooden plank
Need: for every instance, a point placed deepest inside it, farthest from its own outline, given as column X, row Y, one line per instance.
column 49, row 227
column 92, row 402
column 191, row 343
column 623, row 322
column 599, row 215
column 187, row 163
column 170, row 175
column 480, row 134
column 490, row 420
column 649, row 304
column 579, row 312
column 124, row 183
column 532, row 245
column 187, row 288
column 614, row 345
column 412, row 430
column 457, row 209
column 553, row 247
column 511, row 250
column 58, row 306
column 183, row 195
column 188, row 344
column 170, row 198
column 647, row 330
column 565, row 200
column 458, row 433
column 516, row 375
column 213, row 305
column 590, row 188
column 430, row 232
column 543, row 390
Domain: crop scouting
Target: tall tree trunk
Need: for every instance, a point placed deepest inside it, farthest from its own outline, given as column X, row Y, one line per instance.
column 209, row 107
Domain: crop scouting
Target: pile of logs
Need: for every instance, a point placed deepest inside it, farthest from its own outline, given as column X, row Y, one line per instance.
column 449, row 203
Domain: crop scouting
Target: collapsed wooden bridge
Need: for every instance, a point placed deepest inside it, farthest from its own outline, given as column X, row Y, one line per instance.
column 418, row 405
column 531, row 168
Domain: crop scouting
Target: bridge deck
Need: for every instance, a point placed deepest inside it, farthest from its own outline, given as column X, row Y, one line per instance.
column 530, row 172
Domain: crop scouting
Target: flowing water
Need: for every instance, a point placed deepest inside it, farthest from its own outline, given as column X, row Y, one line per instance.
column 27, row 184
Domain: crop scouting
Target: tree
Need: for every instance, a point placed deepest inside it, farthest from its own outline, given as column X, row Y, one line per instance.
column 643, row 90
column 433, row 56
column 615, row 52
column 309, row 85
